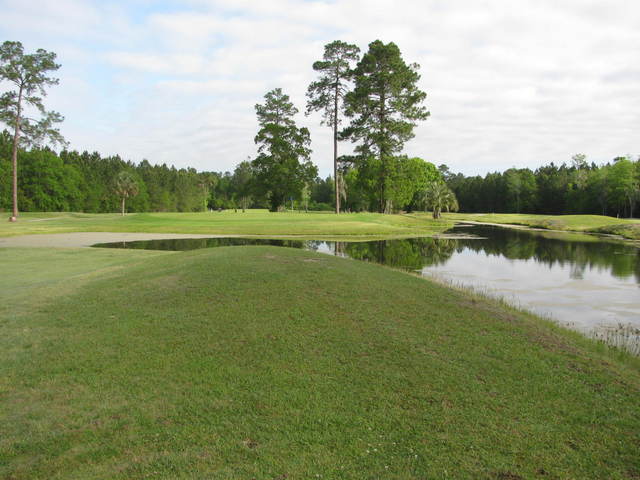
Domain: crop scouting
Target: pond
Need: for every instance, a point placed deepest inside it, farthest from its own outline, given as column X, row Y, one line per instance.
column 588, row 283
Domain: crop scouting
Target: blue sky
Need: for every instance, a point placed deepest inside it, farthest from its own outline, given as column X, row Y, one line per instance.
column 509, row 83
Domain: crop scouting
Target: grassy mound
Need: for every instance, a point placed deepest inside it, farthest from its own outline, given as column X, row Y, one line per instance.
column 273, row 363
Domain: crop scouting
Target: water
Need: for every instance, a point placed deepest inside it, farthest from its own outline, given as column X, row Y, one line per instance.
column 585, row 282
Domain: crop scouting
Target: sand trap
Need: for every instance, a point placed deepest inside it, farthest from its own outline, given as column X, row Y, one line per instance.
column 86, row 239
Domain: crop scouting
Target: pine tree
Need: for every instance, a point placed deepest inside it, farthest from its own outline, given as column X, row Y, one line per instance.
column 28, row 73
column 327, row 93
column 384, row 107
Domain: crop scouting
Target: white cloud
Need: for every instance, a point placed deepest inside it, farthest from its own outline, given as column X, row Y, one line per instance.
column 509, row 83
column 174, row 64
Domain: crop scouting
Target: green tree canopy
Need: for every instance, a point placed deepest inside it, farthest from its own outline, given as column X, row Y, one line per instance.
column 624, row 189
column 407, row 180
column 242, row 181
column 283, row 164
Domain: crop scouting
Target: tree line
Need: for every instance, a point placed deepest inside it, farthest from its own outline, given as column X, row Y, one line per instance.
column 377, row 92
column 576, row 188
column 371, row 100
column 88, row 182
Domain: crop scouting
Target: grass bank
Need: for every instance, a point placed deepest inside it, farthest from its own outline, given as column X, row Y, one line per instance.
column 253, row 222
column 578, row 223
column 273, row 363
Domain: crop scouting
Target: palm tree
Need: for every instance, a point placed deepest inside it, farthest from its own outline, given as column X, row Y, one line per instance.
column 125, row 187
column 438, row 197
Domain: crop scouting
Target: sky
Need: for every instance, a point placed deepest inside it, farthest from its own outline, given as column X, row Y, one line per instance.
column 509, row 83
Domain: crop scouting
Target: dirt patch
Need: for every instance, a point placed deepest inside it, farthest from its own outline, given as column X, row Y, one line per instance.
column 507, row 476
column 249, row 443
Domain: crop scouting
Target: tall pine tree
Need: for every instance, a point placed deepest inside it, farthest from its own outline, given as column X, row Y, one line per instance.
column 327, row 93
column 384, row 107
column 28, row 74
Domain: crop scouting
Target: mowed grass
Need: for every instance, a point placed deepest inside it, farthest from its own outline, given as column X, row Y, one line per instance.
column 253, row 222
column 274, row 363
column 310, row 225
column 580, row 223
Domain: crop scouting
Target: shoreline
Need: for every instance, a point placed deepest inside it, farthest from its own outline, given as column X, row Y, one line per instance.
column 88, row 239
column 516, row 226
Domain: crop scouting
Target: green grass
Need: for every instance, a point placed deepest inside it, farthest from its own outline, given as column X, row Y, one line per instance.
column 253, row 222
column 580, row 223
column 273, row 363
column 309, row 225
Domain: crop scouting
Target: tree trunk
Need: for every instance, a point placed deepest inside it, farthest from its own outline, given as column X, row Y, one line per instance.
column 123, row 198
column 14, row 159
column 335, row 148
column 383, row 154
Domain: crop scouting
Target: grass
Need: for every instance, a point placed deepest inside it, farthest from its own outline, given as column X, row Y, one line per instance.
column 580, row 223
column 274, row 363
column 309, row 225
column 253, row 222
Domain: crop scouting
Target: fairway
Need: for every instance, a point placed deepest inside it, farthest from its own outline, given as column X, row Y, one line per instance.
column 310, row 225
column 263, row 362
column 253, row 222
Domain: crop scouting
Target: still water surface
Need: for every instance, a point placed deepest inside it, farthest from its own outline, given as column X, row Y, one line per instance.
column 582, row 281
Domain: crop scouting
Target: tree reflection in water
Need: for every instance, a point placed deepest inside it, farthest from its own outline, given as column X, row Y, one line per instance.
column 580, row 253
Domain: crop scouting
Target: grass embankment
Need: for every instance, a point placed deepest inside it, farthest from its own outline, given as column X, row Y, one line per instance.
column 273, row 363
column 578, row 223
column 253, row 222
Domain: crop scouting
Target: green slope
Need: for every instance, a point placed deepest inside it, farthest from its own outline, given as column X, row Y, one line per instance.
column 273, row 363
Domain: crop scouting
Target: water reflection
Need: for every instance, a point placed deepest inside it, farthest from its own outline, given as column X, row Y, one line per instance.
column 621, row 260
column 183, row 244
column 408, row 254
column 580, row 280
